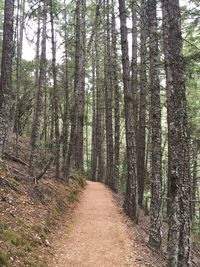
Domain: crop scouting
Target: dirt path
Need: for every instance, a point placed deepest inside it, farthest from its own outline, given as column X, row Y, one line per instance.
column 98, row 235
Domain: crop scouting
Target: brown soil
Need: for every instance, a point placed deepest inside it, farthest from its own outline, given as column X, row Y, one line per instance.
column 99, row 235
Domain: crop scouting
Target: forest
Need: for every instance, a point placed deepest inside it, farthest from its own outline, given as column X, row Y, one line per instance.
column 100, row 93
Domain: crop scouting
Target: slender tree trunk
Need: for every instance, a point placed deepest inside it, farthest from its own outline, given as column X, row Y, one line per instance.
column 131, row 197
column 55, row 96
column 66, row 105
column 80, row 82
column 94, row 128
column 99, row 98
column 179, row 243
column 6, row 71
column 155, row 238
column 19, row 33
column 34, row 143
column 116, row 101
column 87, row 133
column 142, row 112
column 77, row 115
column 108, row 102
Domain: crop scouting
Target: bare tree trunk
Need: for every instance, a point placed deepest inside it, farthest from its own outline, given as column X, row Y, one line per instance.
column 6, row 71
column 94, row 128
column 155, row 238
column 77, row 117
column 99, row 97
column 34, row 143
column 66, row 105
column 142, row 111
column 116, row 101
column 55, row 96
column 108, row 101
column 80, row 82
column 19, row 37
column 131, row 197
column 179, row 243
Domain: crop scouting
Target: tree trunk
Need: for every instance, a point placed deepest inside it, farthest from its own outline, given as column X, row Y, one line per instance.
column 55, row 96
column 79, row 83
column 94, row 127
column 116, row 101
column 179, row 243
column 131, row 197
column 66, row 105
column 99, row 97
column 142, row 111
column 6, row 71
column 155, row 238
column 34, row 143
column 108, row 101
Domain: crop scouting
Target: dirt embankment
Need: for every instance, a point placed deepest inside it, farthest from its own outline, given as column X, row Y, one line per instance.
column 29, row 212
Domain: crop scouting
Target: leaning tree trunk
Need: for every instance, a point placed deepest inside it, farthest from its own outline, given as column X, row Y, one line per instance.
column 6, row 71
column 179, row 243
column 131, row 197
column 34, row 143
column 155, row 238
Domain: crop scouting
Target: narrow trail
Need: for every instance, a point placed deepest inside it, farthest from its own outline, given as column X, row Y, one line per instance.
column 98, row 235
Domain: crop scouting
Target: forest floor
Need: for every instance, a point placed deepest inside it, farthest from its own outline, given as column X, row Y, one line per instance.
column 56, row 224
column 101, row 235
column 29, row 212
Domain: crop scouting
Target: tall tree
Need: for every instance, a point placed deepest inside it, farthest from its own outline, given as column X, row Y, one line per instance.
column 19, row 46
column 131, row 197
column 6, row 71
column 179, row 243
column 34, row 142
column 155, row 238
column 77, row 117
column 116, row 100
column 142, row 105
column 99, row 97
column 94, row 125
column 66, row 104
column 55, row 94
column 80, row 84
column 108, row 99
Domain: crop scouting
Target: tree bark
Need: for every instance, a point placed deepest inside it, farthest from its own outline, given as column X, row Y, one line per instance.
column 116, row 101
column 142, row 110
column 66, row 105
column 179, row 240
column 34, row 143
column 108, row 101
column 155, row 238
column 6, row 72
column 55, row 96
column 131, row 197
